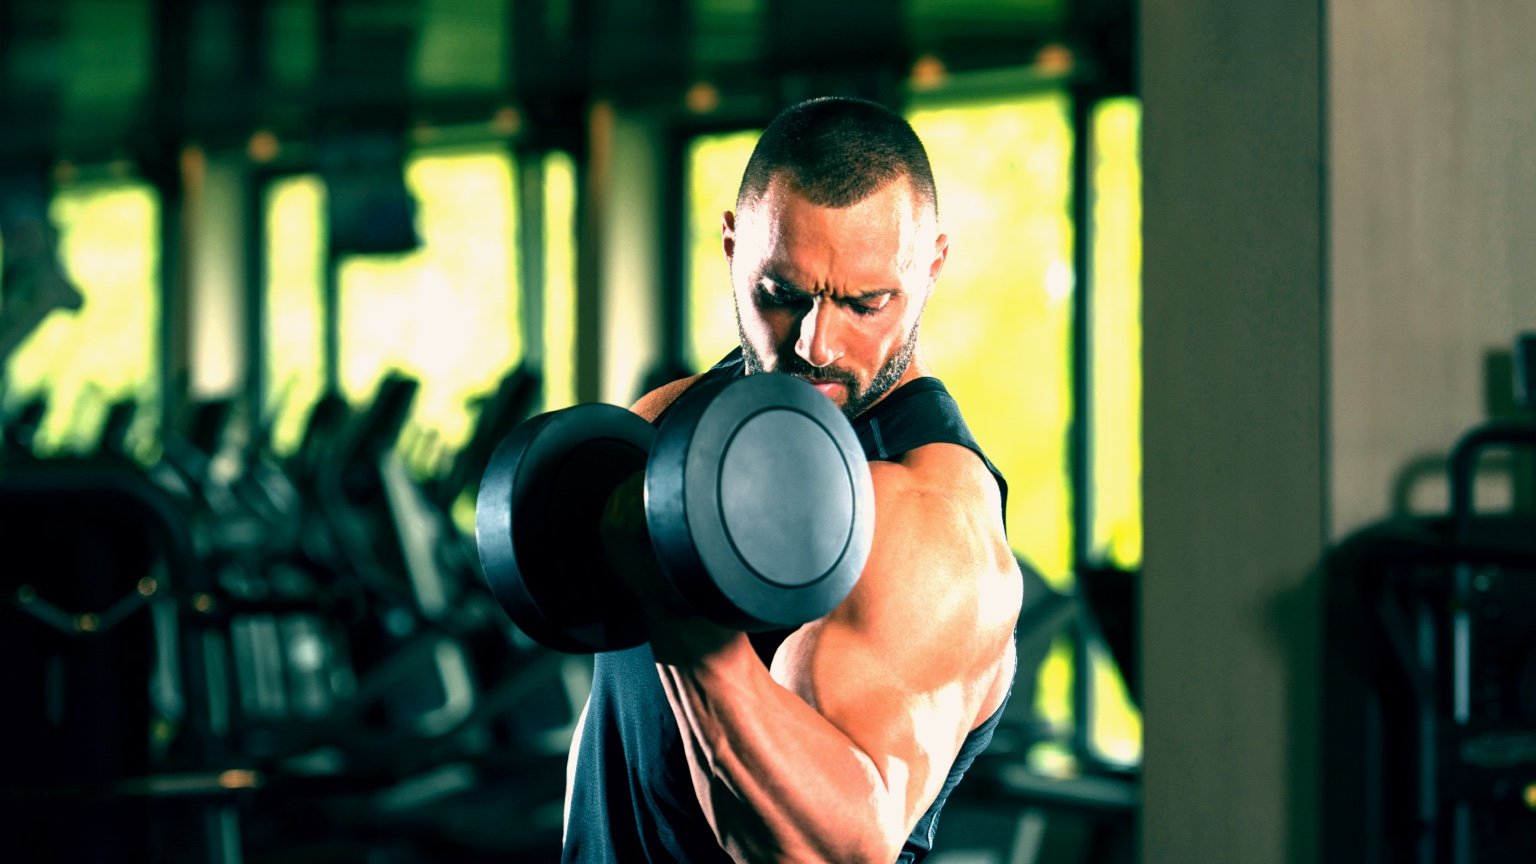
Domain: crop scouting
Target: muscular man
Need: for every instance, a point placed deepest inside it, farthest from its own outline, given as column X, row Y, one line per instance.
column 840, row 740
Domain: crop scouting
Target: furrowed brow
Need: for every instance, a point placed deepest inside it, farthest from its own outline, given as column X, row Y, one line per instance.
column 789, row 287
column 786, row 285
column 872, row 295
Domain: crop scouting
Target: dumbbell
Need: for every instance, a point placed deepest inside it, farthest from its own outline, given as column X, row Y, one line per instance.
column 758, row 504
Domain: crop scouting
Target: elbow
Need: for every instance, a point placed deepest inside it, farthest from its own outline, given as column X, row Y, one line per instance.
column 876, row 850
column 874, row 837
column 854, row 839
column 877, row 831
column 845, row 848
column 871, row 846
column 868, row 823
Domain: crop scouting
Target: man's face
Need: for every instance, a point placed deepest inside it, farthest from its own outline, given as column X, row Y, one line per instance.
column 833, row 295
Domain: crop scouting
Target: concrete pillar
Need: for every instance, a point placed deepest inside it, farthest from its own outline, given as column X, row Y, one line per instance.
column 1234, row 436
column 216, row 277
column 619, row 296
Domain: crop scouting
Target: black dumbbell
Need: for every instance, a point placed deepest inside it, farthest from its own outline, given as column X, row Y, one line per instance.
column 758, row 503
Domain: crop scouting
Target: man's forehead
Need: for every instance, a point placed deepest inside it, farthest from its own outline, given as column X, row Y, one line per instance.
column 782, row 204
column 802, row 261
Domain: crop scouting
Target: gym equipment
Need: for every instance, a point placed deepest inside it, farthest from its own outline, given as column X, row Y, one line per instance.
column 499, row 413
column 99, row 661
column 322, row 630
column 1430, row 699
column 19, row 430
column 758, row 502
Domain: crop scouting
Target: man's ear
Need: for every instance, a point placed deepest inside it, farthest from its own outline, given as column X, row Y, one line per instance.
column 728, row 235
column 940, row 255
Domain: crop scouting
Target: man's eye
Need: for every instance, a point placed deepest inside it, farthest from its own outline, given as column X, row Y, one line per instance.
column 773, row 295
column 870, row 307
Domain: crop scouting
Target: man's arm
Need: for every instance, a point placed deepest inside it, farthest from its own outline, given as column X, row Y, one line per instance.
column 837, row 752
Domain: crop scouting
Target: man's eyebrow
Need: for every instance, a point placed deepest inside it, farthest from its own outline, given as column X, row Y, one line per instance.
column 779, row 281
column 873, row 295
column 789, row 287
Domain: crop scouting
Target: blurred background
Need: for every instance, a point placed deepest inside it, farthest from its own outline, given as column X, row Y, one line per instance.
column 277, row 276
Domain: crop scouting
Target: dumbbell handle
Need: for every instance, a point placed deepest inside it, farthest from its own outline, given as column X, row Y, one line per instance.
column 627, row 548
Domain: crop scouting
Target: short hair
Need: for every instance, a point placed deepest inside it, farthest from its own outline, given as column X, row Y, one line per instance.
column 837, row 151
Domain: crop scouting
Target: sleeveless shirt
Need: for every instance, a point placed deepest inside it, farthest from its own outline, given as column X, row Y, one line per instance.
column 631, row 796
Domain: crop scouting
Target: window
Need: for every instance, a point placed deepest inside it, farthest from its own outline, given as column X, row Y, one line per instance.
column 998, row 329
column 715, row 163
column 295, row 317
column 109, row 244
column 445, row 314
column 1115, row 495
column 1117, row 333
column 560, row 281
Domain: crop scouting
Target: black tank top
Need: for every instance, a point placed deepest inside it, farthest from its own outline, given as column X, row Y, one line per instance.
column 631, row 797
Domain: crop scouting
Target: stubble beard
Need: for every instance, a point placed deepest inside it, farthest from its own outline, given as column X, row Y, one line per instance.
column 859, row 398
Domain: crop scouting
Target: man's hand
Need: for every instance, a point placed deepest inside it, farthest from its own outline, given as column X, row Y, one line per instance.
column 675, row 633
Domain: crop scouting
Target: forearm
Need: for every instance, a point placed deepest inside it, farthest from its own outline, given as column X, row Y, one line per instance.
column 776, row 779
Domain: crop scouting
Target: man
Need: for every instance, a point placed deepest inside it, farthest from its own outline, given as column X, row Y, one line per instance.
column 840, row 740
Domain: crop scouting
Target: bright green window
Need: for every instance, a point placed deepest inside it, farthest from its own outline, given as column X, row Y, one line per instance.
column 1117, row 333
column 1116, row 370
column 445, row 314
column 560, row 281
column 998, row 328
column 715, row 164
column 295, row 318
column 109, row 244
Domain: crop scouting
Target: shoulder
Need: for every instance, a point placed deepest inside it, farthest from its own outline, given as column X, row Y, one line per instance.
column 940, row 541
column 653, row 403
column 941, row 592
column 949, row 473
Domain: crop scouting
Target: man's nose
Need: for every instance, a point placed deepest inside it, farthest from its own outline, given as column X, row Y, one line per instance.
column 818, row 344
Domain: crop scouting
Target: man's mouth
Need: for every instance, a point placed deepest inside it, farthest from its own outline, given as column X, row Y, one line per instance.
column 827, row 388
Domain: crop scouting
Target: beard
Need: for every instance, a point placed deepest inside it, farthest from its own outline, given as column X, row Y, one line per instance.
column 859, row 398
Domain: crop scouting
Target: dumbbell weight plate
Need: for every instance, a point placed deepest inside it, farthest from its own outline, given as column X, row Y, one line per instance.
column 759, row 501
column 536, row 526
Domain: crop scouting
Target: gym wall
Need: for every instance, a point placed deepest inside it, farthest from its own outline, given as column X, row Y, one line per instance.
column 1338, row 209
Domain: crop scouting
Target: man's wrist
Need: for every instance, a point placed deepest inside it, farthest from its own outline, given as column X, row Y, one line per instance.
column 691, row 642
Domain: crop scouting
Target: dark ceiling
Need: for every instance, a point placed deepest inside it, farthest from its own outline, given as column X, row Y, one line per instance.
column 102, row 79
